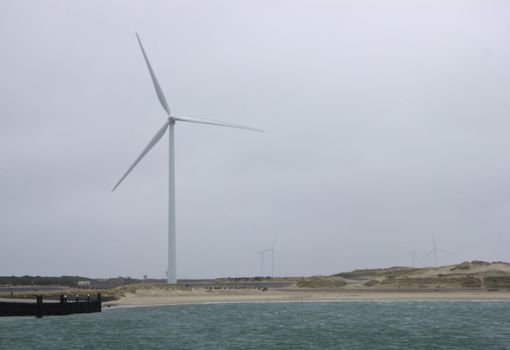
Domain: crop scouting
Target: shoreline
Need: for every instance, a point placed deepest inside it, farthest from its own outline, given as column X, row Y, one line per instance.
column 202, row 297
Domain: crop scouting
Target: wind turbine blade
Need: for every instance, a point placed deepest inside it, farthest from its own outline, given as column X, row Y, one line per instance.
column 159, row 92
column 445, row 251
column 146, row 150
column 428, row 254
column 215, row 122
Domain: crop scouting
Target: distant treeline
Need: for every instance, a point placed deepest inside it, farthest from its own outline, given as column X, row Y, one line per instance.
column 42, row 281
column 70, row 281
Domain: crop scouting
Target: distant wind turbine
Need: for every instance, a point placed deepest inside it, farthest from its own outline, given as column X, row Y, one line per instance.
column 434, row 250
column 169, row 125
column 271, row 250
column 262, row 255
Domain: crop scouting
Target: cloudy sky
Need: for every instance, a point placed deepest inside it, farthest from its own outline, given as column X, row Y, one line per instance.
column 386, row 122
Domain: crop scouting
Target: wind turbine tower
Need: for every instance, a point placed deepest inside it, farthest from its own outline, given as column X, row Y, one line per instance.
column 169, row 125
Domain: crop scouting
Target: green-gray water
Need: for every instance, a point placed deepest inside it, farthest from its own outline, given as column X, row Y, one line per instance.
column 304, row 325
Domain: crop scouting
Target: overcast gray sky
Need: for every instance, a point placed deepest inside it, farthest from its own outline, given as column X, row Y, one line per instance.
column 386, row 122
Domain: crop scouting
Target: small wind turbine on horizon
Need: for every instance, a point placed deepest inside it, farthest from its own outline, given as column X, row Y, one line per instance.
column 262, row 255
column 169, row 125
column 434, row 250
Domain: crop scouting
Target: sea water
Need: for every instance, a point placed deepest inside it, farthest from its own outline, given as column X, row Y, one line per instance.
column 284, row 325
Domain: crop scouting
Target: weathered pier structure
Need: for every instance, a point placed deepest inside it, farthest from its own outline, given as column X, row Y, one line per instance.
column 51, row 308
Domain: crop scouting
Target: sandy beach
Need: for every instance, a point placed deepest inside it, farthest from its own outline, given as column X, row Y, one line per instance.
column 163, row 297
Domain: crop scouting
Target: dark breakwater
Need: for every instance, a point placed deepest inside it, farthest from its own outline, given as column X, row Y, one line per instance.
column 39, row 308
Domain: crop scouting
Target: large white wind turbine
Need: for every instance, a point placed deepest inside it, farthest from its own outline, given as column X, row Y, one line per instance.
column 169, row 124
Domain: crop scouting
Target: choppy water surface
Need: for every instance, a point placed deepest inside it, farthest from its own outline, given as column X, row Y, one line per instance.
column 305, row 325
